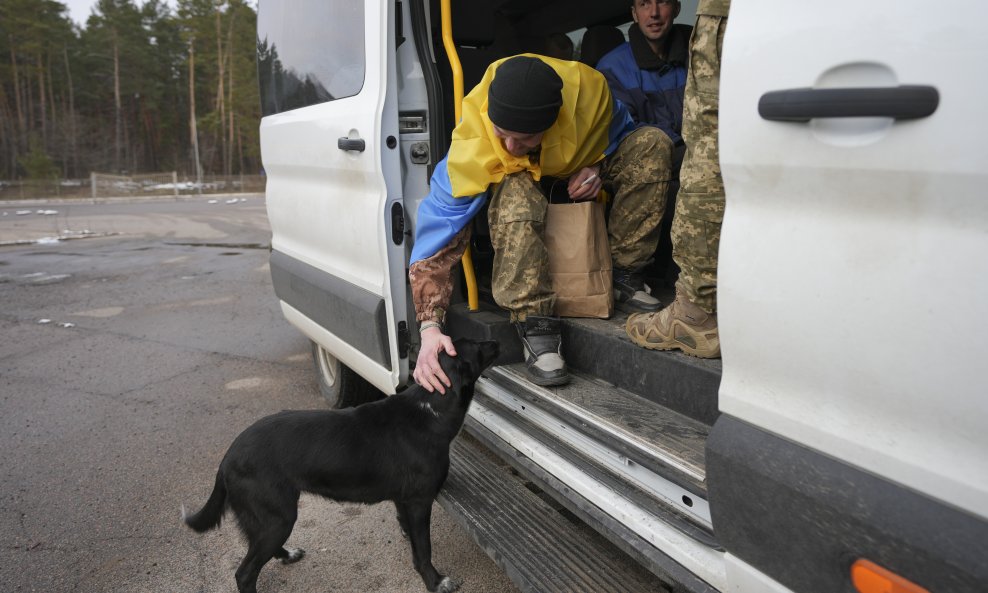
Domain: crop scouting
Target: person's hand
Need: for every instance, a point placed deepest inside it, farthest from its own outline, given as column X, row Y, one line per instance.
column 585, row 184
column 428, row 373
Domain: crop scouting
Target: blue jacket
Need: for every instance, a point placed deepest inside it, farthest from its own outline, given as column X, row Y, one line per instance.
column 651, row 88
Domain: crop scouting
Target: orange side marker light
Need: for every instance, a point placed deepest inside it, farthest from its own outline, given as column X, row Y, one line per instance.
column 869, row 577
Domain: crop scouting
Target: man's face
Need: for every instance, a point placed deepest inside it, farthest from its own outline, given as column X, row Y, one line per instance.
column 518, row 144
column 655, row 17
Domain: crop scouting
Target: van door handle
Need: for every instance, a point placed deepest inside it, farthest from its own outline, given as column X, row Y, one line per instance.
column 802, row 105
column 345, row 143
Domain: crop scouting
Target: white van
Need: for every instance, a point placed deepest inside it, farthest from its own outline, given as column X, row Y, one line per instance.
column 841, row 445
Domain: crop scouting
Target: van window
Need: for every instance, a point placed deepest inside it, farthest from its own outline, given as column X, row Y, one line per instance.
column 308, row 52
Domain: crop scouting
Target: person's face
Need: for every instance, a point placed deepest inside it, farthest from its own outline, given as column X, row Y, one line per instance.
column 518, row 144
column 655, row 17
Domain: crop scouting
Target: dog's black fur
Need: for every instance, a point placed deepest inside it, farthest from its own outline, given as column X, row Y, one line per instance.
column 394, row 449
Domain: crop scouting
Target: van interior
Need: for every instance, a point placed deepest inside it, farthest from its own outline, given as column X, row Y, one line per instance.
column 634, row 420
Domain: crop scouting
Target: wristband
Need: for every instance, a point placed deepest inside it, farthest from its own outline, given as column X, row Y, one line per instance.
column 429, row 324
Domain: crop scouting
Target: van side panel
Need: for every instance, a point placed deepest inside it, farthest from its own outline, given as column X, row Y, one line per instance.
column 803, row 518
column 351, row 313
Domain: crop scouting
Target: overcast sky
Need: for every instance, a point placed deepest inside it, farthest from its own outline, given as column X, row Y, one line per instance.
column 79, row 10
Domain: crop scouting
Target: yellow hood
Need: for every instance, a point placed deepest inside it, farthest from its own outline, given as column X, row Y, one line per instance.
column 477, row 158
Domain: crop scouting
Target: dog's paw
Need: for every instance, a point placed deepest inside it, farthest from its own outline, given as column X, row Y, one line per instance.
column 448, row 585
column 294, row 555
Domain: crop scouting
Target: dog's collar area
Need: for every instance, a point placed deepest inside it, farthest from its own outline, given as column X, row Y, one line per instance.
column 428, row 408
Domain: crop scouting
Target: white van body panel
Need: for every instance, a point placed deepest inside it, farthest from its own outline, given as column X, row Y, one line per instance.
column 854, row 250
column 319, row 196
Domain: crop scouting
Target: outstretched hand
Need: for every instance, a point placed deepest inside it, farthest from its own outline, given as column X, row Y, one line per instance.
column 428, row 373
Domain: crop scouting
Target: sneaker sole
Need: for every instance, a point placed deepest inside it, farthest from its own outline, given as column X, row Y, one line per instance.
column 628, row 306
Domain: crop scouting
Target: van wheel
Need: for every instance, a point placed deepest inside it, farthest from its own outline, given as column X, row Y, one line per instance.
column 341, row 387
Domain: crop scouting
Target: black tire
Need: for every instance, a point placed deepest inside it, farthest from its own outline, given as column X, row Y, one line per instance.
column 341, row 387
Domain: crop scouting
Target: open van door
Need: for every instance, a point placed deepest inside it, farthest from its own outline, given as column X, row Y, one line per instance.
column 328, row 141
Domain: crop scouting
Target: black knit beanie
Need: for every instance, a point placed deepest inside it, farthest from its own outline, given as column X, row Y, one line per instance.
column 524, row 96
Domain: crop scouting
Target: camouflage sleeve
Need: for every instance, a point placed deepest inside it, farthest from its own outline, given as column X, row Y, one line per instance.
column 432, row 279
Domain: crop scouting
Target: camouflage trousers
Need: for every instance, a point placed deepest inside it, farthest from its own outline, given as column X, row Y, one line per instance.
column 700, row 201
column 638, row 172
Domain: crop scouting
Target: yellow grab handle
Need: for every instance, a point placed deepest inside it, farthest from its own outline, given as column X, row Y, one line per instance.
column 454, row 63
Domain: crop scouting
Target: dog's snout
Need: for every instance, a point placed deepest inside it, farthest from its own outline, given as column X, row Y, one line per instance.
column 490, row 350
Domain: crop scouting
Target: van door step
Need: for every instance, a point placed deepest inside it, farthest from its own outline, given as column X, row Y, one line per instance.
column 537, row 545
column 601, row 348
column 666, row 442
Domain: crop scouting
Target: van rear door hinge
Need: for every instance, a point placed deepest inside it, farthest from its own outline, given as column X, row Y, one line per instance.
column 403, row 339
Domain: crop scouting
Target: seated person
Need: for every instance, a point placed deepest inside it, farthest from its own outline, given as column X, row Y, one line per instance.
column 648, row 75
column 533, row 116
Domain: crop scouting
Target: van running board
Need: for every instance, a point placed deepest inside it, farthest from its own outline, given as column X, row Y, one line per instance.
column 539, row 548
column 581, row 462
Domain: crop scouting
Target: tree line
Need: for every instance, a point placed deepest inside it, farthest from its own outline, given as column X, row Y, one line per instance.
column 139, row 88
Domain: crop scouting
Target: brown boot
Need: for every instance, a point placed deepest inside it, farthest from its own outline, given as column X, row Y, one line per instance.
column 681, row 325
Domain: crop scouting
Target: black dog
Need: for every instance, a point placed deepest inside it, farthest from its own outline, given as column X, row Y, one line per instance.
column 394, row 449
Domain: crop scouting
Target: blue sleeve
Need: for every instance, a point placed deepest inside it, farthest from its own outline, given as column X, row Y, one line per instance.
column 620, row 76
column 621, row 125
column 441, row 216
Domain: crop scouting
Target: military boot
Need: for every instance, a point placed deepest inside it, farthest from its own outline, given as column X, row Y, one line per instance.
column 682, row 325
column 542, row 339
column 629, row 292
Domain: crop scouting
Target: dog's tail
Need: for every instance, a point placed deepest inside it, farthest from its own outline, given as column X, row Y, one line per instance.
column 210, row 515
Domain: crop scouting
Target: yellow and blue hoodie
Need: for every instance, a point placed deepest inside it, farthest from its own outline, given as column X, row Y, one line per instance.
column 589, row 127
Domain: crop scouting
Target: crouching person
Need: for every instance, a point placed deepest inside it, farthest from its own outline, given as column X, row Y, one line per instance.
column 532, row 116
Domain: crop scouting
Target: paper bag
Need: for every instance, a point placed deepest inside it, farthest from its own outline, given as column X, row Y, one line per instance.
column 579, row 259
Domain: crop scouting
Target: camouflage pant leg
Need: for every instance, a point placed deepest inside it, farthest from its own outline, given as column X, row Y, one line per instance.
column 640, row 171
column 520, row 279
column 700, row 201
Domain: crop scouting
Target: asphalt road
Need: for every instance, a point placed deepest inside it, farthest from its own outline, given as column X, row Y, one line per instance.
column 129, row 360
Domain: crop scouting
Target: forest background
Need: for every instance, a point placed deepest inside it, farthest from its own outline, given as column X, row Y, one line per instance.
column 136, row 89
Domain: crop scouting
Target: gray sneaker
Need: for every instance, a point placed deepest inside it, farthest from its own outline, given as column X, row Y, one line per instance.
column 542, row 339
column 629, row 292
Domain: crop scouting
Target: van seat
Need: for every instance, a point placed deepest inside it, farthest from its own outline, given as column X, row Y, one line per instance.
column 597, row 42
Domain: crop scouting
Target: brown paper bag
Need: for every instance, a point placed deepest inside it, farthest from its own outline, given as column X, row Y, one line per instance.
column 579, row 259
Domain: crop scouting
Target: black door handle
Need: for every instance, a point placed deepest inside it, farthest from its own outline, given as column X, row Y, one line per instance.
column 351, row 144
column 802, row 105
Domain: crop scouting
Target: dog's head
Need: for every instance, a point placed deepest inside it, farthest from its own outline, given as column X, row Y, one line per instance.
column 472, row 357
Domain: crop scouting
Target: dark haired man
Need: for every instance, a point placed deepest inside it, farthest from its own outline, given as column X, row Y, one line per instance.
column 648, row 74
